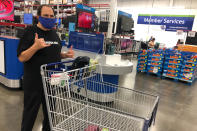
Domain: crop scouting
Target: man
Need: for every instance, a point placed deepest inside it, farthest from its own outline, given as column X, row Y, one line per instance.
column 39, row 45
column 151, row 44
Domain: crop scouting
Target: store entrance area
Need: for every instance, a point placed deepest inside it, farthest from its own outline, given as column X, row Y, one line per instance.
column 176, row 111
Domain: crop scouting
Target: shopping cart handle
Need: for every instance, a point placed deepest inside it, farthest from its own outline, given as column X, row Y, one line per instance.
column 56, row 63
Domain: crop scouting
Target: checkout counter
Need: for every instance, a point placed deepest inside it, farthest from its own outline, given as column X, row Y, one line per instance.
column 112, row 67
column 11, row 70
column 89, row 44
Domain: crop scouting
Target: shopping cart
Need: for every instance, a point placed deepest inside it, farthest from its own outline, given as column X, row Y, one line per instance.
column 79, row 100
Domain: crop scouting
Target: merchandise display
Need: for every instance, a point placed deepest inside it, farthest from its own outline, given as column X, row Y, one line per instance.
column 103, row 27
column 85, row 20
column 172, row 63
column 169, row 63
column 124, row 22
column 189, row 67
column 155, row 61
column 142, row 61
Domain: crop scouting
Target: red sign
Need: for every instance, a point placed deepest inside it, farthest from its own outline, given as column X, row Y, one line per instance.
column 7, row 10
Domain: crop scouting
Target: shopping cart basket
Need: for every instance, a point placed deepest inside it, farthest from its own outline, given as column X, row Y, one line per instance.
column 76, row 101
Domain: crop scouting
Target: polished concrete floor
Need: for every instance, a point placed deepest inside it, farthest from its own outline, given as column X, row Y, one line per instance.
column 177, row 108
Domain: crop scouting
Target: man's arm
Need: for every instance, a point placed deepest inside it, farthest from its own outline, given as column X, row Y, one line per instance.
column 27, row 54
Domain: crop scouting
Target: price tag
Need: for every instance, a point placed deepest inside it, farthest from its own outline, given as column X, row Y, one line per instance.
column 155, row 70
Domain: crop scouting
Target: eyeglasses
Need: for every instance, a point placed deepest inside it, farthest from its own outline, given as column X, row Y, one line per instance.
column 48, row 16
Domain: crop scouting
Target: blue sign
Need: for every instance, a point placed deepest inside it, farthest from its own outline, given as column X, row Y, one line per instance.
column 59, row 22
column 168, row 22
column 83, row 7
column 124, row 13
column 87, row 41
column 28, row 18
column 71, row 26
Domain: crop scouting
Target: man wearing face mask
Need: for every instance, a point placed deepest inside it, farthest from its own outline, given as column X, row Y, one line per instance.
column 39, row 45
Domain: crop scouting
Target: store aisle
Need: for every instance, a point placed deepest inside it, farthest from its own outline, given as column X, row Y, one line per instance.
column 177, row 107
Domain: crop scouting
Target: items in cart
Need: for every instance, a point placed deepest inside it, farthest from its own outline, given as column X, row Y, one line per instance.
column 140, row 119
column 80, row 62
column 59, row 78
column 105, row 129
column 92, row 128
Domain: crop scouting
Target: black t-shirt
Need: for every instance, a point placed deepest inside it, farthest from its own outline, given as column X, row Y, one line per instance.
column 32, row 77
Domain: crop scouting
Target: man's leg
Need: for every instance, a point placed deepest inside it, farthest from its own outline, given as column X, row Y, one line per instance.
column 45, row 124
column 32, row 101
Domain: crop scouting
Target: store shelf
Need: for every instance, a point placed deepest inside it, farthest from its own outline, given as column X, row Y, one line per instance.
column 13, row 24
column 68, row 11
column 18, row 0
column 98, row 5
column 73, row 5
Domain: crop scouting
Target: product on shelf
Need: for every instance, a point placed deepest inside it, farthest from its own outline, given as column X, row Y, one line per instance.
column 142, row 61
column 92, row 128
column 155, row 61
column 172, row 63
column 188, row 70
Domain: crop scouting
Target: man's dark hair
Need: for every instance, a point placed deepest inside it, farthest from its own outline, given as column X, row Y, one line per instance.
column 40, row 9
